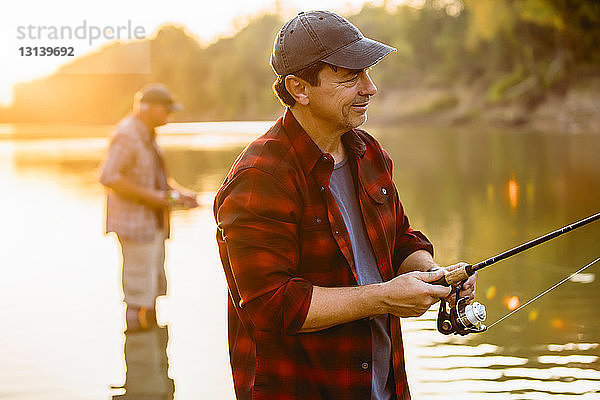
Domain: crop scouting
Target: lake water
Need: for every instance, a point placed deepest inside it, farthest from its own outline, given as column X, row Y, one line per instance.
column 474, row 192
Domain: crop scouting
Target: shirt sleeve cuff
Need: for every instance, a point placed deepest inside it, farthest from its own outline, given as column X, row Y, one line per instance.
column 414, row 241
column 282, row 310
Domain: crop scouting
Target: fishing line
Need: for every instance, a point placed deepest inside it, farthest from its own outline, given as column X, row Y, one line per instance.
column 464, row 318
column 546, row 291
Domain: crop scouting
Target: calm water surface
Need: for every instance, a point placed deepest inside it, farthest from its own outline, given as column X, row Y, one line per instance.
column 474, row 192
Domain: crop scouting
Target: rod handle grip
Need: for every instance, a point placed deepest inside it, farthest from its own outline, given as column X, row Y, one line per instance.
column 452, row 277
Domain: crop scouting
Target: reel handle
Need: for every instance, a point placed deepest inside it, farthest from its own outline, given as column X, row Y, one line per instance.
column 461, row 319
column 456, row 276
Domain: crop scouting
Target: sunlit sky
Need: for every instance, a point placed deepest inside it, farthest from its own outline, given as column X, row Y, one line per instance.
column 206, row 20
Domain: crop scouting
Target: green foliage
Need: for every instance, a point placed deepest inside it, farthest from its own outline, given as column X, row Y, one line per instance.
column 540, row 12
column 489, row 19
column 441, row 103
column 497, row 90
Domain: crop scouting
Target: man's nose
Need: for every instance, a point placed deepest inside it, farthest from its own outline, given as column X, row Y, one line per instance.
column 368, row 88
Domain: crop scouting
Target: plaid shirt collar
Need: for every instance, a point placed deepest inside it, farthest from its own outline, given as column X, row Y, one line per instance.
column 146, row 134
column 308, row 151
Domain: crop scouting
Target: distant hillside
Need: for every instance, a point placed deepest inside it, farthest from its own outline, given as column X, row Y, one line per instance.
column 517, row 62
column 228, row 80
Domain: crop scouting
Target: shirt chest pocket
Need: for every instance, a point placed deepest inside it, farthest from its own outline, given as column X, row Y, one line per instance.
column 145, row 158
column 318, row 248
column 312, row 221
column 145, row 167
column 316, row 241
column 381, row 191
column 382, row 210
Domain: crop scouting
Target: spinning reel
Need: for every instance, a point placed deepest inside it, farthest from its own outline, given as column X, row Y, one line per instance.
column 463, row 318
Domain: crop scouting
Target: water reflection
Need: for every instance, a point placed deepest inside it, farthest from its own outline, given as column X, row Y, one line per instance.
column 147, row 367
column 457, row 191
column 513, row 193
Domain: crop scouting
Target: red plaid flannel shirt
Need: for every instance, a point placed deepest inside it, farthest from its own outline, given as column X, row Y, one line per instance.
column 279, row 233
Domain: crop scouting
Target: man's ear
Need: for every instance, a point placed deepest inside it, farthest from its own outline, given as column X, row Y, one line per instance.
column 296, row 87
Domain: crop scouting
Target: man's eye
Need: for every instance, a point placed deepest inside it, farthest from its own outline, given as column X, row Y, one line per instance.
column 353, row 79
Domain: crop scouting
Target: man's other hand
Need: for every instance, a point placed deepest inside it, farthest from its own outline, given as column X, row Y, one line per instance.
column 189, row 200
column 468, row 289
column 411, row 294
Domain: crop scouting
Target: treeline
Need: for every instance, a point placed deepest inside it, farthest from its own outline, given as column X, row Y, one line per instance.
column 514, row 50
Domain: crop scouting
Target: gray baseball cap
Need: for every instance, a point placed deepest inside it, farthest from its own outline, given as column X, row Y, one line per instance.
column 315, row 36
column 157, row 93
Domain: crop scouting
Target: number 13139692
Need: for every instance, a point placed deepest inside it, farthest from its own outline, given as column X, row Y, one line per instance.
column 47, row 51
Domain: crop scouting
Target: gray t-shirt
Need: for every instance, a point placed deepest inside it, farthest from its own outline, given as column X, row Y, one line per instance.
column 342, row 188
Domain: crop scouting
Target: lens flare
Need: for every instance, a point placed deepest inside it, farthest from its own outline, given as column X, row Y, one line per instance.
column 557, row 323
column 533, row 314
column 512, row 302
column 490, row 293
column 513, row 192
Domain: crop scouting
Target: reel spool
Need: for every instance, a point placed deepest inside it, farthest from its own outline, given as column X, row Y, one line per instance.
column 463, row 318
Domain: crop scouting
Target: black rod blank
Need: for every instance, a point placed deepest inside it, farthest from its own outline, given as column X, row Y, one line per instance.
column 533, row 243
column 460, row 274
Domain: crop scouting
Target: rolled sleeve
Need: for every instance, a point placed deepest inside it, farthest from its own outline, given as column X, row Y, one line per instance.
column 258, row 221
column 408, row 241
column 120, row 157
column 284, row 309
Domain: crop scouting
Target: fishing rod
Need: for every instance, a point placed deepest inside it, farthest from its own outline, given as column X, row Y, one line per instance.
column 466, row 318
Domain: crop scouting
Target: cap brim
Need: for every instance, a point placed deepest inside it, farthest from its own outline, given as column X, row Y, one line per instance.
column 360, row 54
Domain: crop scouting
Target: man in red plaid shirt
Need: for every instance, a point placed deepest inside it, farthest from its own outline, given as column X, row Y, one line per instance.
column 319, row 256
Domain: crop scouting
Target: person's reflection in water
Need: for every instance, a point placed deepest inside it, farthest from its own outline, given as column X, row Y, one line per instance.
column 147, row 366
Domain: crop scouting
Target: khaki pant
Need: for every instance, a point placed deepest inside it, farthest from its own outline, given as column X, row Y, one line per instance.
column 143, row 274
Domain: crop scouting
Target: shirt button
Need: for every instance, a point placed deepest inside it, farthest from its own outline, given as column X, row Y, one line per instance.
column 364, row 365
column 383, row 190
column 322, row 188
column 318, row 220
column 337, row 232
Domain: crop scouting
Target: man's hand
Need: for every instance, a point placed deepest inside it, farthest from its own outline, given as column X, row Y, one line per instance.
column 410, row 294
column 183, row 199
column 189, row 200
column 468, row 288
